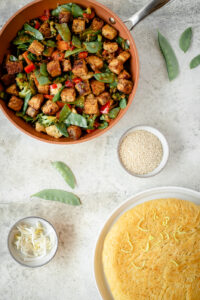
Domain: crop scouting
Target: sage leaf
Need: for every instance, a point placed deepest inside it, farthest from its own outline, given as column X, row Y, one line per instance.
column 195, row 62
column 185, row 39
column 169, row 56
column 58, row 195
column 66, row 173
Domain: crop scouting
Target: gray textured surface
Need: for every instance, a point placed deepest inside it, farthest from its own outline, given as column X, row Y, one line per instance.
column 102, row 184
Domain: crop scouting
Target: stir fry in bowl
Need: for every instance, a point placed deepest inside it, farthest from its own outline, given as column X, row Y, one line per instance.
column 67, row 72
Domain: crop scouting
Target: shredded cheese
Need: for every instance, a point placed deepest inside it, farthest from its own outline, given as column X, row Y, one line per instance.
column 174, row 262
column 139, row 227
column 138, row 267
column 166, row 220
column 130, row 244
column 32, row 242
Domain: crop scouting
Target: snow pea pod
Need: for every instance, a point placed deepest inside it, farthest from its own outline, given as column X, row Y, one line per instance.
column 169, row 56
column 185, row 39
column 34, row 32
column 26, row 100
column 57, row 96
column 103, row 125
column 93, row 47
column 43, row 69
column 123, row 103
column 76, row 119
column 76, row 10
column 65, row 112
column 60, row 8
column 195, row 62
column 66, row 173
column 64, row 31
column 41, row 79
column 114, row 112
column 105, row 77
column 76, row 41
column 58, row 195
column 62, row 128
column 71, row 52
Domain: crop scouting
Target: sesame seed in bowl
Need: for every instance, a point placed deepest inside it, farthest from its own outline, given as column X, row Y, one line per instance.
column 143, row 151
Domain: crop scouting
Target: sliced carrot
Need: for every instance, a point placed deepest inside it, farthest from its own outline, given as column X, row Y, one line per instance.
column 25, row 56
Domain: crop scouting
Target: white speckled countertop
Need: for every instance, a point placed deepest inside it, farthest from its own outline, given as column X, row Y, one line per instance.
column 172, row 107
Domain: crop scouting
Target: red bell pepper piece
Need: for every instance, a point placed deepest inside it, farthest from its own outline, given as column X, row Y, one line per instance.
column 77, row 80
column 29, row 68
column 60, row 104
column 53, row 86
column 68, row 83
column 89, row 16
column 105, row 108
column 37, row 25
column 48, row 97
column 90, row 130
column 96, row 124
column 83, row 54
column 58, row 114
column 46, row 15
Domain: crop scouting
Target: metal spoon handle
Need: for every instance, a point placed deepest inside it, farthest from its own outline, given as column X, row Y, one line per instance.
column 145, row 11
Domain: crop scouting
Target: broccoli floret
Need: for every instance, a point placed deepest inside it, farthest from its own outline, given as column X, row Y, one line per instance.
column 25, row 86
column 46, row 120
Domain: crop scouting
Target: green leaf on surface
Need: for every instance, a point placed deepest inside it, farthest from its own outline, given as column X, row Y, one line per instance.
column 169, row 56
column 58, row 195
column 66, row 173
column 195, row 62
column 185, row 39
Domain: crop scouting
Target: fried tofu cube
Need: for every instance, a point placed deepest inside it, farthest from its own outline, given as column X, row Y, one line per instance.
column 91, row 105
column 104, row 98
column 116, row 66
column 66, row 65
column 97, row 24
column 83, row 87
column 124, row 56
column 12, row 90
column 109, row 32
column 53, row 68
column 125, row 86
column 111, row 47
column 95, row 62
column 36, row 101
column 68, row 95
column 78, row 25
column 36, row 48
column 55, row 90
column 39, row 127
column 50, row 108
column 31, row 112
column 124, row 75
column 8, row 79
column 15, row 103
column 80, row 68
column 64, row 16
column 53, row 131
column 108, row 56
column 13, row 67
column 45, row 29
column 98, row 87
column 43, row 89
column 74, row 132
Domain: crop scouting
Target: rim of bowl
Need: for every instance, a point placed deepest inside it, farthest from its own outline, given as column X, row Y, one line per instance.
column 131, row 96
column 165, row 147
column 24, row 264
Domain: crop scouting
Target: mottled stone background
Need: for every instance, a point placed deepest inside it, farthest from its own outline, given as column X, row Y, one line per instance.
column 172, row 107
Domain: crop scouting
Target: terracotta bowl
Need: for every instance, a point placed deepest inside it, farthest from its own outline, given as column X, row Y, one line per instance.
column 35, row 9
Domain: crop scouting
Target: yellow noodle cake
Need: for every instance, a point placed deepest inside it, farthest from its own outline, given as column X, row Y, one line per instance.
column 153, row 252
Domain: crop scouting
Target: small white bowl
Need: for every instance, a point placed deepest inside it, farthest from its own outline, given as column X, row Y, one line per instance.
column 38, row 262
column 163, row 141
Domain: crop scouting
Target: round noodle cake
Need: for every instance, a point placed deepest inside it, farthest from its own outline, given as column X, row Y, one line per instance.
column 153, row 252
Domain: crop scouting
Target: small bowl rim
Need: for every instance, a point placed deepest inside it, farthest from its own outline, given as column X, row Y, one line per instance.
column 24, row 264
column 166, row 150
